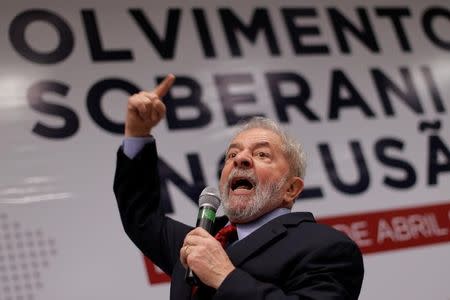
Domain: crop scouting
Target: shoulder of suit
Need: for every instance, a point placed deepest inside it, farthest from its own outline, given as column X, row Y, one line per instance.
column 305, row 224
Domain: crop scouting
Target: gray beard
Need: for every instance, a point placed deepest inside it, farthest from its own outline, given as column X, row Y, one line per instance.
column 264, row 194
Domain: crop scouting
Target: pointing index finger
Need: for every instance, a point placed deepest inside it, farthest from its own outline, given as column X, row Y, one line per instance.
column 162, row 88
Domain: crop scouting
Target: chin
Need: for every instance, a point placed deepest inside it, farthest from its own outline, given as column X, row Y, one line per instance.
column 240, row 213
column 243, row 219
column 239, row 203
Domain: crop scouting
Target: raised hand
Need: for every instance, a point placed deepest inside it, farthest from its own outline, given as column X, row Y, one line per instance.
column 146, row 109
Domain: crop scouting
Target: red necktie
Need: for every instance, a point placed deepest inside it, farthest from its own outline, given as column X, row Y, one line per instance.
column 226, row 235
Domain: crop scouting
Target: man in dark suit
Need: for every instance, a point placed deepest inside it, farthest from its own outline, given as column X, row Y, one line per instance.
column 278, row 255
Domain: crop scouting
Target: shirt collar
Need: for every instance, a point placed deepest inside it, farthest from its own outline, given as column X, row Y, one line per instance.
column 243, row 230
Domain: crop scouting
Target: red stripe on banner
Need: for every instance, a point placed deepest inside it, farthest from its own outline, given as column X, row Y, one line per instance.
column 395, row 229
column 155, row 274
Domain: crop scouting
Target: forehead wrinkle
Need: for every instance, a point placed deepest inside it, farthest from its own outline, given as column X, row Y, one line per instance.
column 253, row 146
column 262, row 144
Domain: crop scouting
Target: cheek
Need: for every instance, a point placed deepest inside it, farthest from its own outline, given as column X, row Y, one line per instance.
column 224, row 174
column 226, row 170
column 266, row 176
column 271, row 173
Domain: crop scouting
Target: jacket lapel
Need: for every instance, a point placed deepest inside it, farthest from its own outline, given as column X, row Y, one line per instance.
column 266, row 235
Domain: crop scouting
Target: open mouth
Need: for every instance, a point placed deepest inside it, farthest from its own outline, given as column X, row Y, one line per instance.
column 241, row 183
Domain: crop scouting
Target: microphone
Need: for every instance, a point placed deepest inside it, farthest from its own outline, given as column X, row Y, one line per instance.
column 208, row 202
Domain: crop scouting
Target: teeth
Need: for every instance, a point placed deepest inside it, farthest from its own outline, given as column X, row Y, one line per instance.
column 242, row 187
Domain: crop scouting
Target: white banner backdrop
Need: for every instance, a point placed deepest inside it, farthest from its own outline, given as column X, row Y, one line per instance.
column 365, row 87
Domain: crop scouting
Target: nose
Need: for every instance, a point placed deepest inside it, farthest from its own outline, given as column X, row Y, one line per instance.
column 243, row 160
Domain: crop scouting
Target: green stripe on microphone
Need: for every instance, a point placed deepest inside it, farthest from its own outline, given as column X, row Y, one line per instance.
column 208, row 214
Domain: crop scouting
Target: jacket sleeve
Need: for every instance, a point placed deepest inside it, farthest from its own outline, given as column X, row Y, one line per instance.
column 330, row 273
column 137, row 190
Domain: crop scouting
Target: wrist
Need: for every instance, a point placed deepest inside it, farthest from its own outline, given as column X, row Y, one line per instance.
column 222, row 278
column 136, row 132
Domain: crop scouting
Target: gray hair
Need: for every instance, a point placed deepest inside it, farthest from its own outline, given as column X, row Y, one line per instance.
column 293, row 150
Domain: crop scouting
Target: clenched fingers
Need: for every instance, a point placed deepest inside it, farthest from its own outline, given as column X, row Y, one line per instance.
column 206, row 257
column 148, row 105
column 146, row 109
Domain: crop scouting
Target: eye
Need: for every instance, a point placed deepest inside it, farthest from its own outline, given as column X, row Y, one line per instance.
column 262, row 154
column 231, row 155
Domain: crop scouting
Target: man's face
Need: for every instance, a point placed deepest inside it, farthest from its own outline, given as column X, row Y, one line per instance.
column 254, row 176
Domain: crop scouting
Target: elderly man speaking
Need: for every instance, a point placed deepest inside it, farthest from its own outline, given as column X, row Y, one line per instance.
column 276, row 254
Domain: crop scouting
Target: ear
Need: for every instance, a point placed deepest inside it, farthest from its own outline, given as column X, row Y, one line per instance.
column 294, row 188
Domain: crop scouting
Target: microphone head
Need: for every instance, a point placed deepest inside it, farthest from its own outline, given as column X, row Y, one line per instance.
column 209, row 196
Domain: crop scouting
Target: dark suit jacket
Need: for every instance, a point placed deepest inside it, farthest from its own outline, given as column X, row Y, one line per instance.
column 290, row 257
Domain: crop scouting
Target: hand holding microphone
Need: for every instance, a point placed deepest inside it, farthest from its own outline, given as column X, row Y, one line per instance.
column 201, row 253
